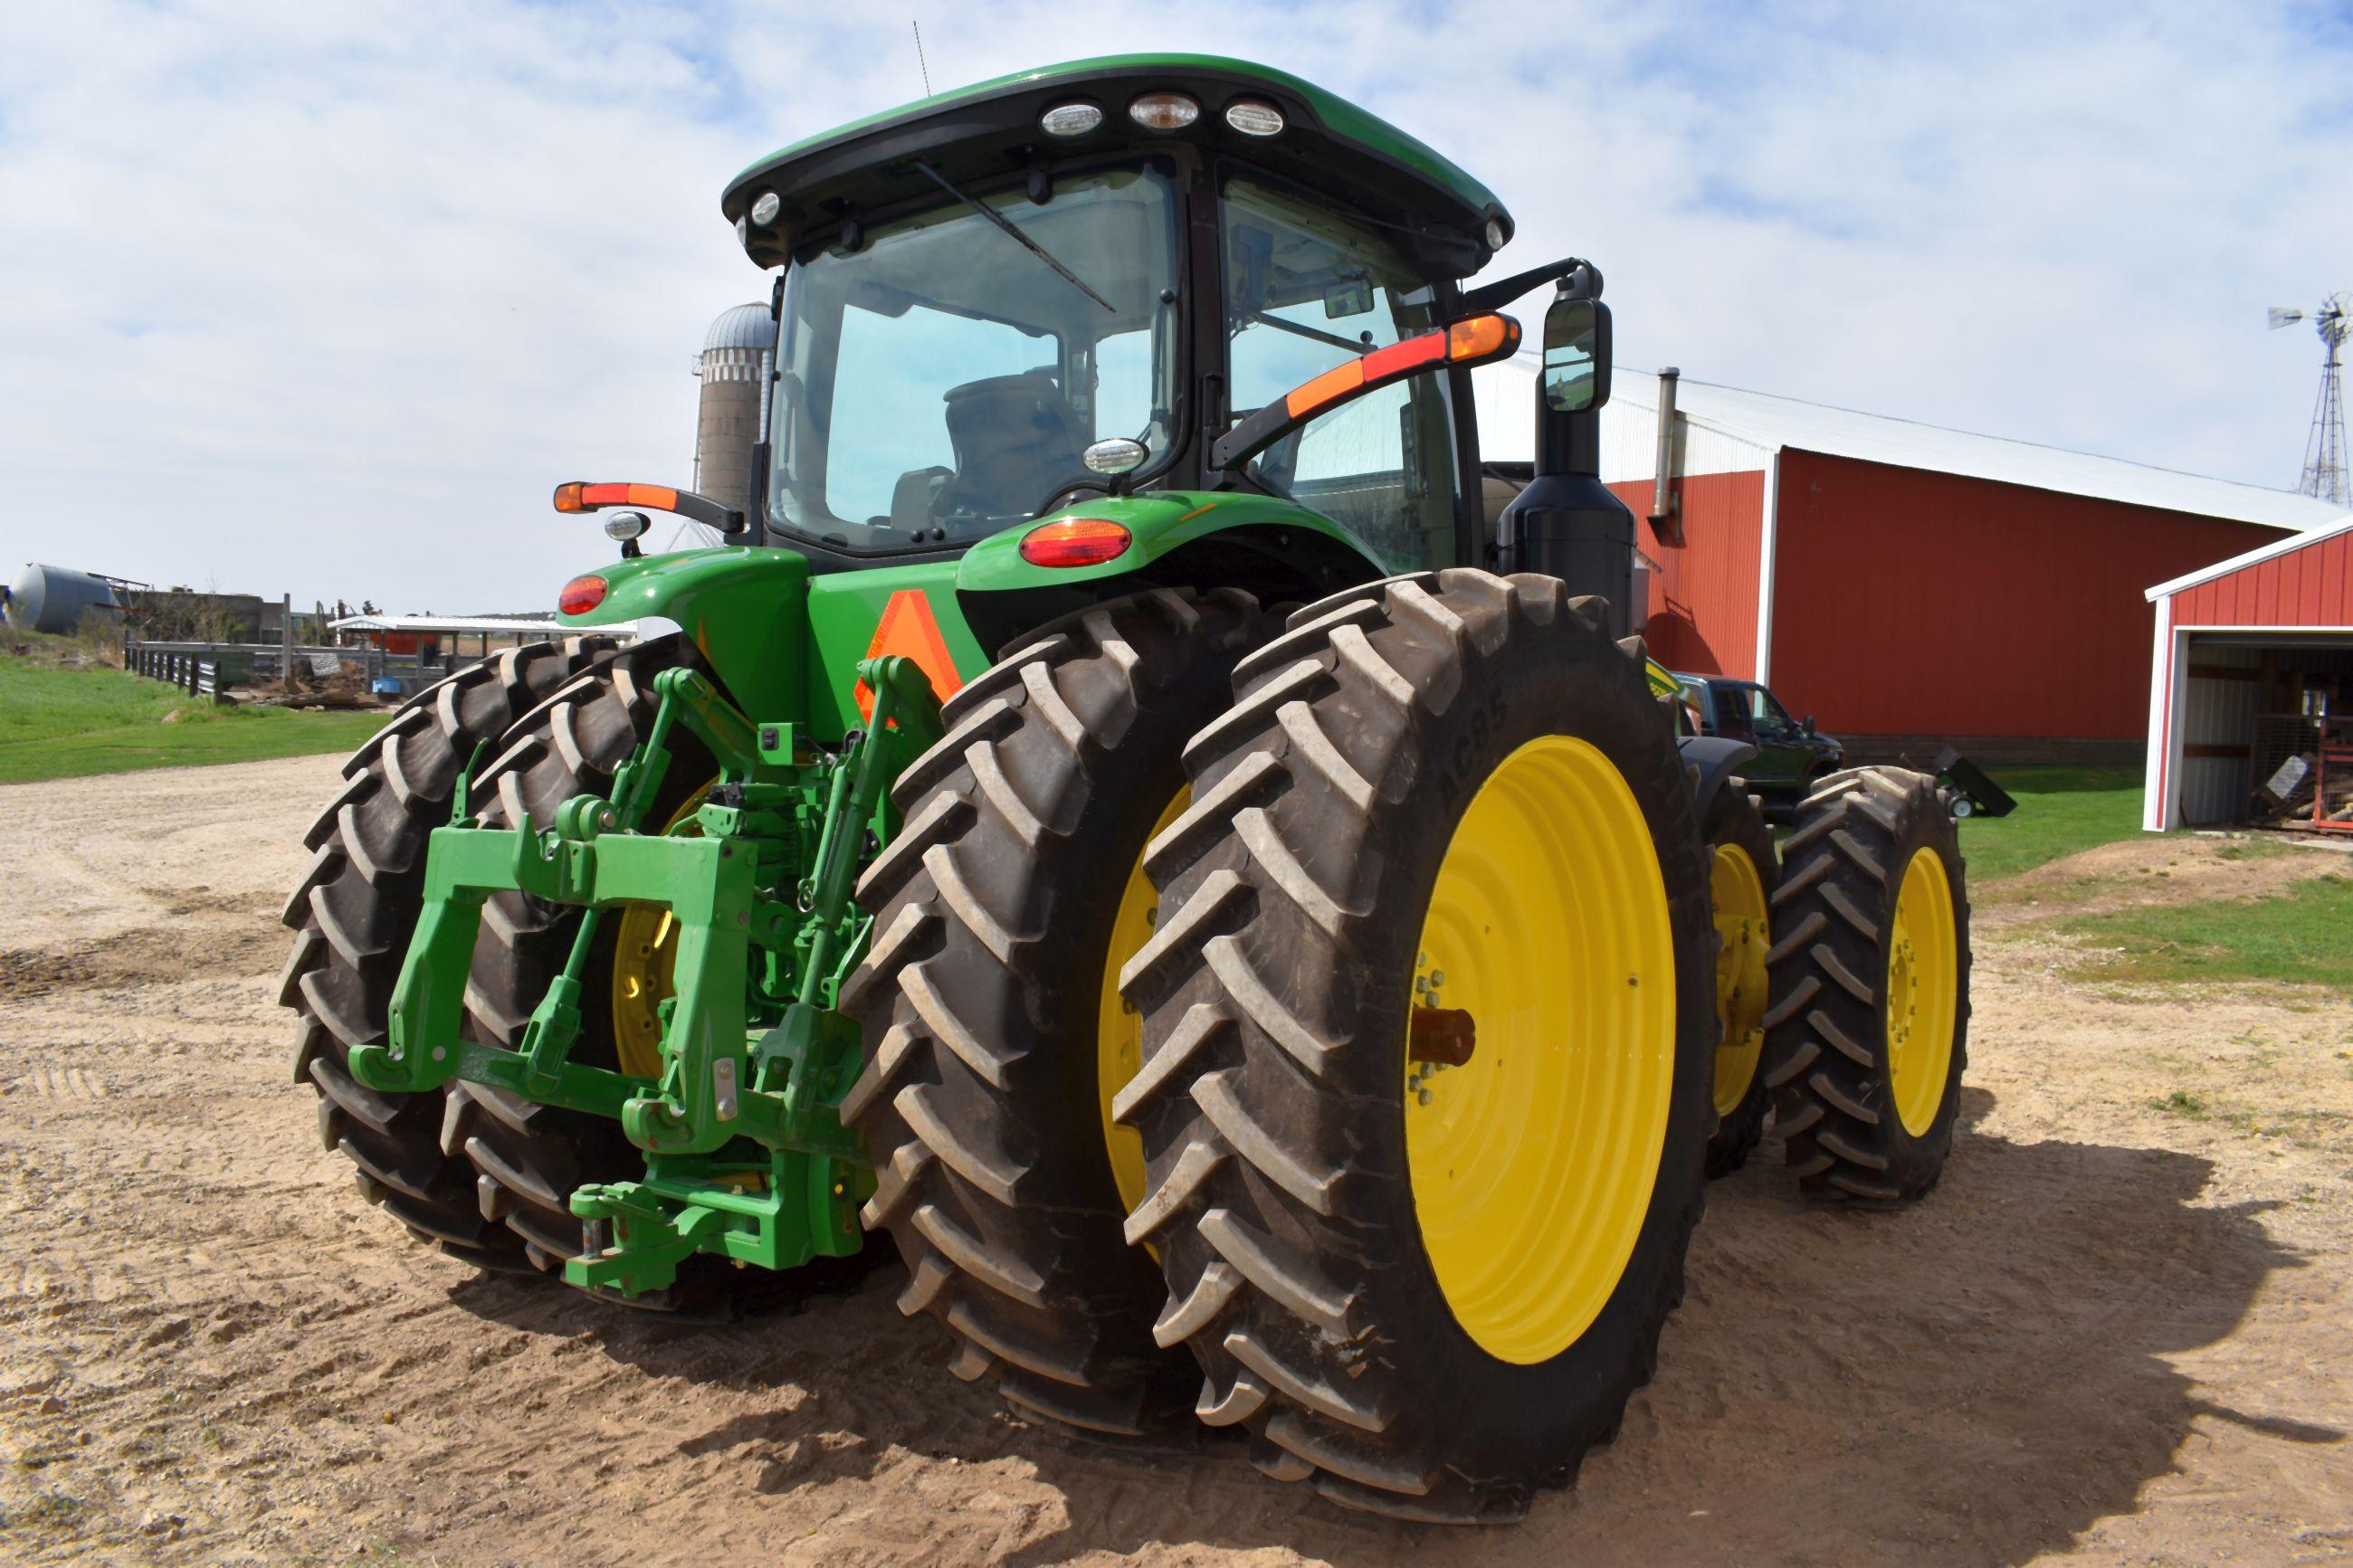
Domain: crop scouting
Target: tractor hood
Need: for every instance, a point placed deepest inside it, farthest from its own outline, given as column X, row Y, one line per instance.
column 986, row 132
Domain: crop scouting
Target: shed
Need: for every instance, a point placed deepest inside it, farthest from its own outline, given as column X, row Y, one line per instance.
column 1909, row 586
column 2251, row 685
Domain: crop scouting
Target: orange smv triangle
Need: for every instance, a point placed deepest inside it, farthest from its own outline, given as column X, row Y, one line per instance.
column 909, row 629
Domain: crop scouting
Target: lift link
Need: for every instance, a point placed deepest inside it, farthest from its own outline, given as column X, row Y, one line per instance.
column 745, row 1155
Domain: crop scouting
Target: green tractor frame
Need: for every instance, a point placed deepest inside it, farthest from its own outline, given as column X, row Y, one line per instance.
column 1120, row 815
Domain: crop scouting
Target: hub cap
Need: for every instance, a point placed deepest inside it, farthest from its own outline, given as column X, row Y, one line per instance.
column 645, row 958
column 1736, row 895
column 1531, row 1163
column 1922, row 991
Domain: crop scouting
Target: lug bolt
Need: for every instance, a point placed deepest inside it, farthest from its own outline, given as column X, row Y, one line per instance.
column 1422, row 1095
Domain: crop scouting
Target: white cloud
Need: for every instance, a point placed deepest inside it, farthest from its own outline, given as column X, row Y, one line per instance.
column 324, row 298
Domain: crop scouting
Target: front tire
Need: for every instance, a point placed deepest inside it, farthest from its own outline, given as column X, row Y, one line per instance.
column 1427, row 1289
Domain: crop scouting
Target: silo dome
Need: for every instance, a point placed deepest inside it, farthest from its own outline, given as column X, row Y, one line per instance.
column 743, row 326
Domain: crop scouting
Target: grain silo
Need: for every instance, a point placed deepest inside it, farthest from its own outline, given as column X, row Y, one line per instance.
column 738, row 354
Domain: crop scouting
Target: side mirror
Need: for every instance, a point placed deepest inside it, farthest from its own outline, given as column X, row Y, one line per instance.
column 1576, row 355
column 1810, row 723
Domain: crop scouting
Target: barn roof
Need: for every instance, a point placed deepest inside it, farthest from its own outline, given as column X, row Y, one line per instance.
column 1771, row 424
column 1774, row 423
column 2260, row 553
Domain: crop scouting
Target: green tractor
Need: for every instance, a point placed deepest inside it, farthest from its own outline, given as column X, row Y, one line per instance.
column 1122, row 815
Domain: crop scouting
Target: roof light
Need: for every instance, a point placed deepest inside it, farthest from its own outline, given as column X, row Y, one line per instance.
column 765, row 210
column 1253, row 117
column 1498, row 235
column 1069, row 120
column 1164, row 111
column 1075, row 542
column 581, row 596
column 1115, row 455
column 627, row 525
column 579, row 497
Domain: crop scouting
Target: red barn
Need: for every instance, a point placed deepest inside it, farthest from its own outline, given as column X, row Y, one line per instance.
column 2253, row 673
column 1909, row 586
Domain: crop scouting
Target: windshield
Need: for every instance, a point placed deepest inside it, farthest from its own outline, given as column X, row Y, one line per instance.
column 1766, row 714
column 1307, row 289
column 939, row 383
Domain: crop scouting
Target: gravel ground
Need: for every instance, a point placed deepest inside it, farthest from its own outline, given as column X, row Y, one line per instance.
column 2117, row 1331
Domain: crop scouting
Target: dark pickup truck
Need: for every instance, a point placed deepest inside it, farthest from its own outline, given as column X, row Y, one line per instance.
column 1790, row 753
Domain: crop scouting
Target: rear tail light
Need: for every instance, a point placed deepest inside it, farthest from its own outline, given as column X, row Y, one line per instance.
column 581, row 596
column 1075, row 542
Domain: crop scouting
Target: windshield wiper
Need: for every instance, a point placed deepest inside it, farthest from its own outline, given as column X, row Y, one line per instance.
column 1001, row 221
column 1300, row 329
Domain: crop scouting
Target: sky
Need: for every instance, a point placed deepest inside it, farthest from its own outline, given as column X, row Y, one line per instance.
column 322, row 298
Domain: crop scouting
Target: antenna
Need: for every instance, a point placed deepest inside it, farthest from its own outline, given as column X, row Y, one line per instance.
column 2324, row 450
column 921, row 64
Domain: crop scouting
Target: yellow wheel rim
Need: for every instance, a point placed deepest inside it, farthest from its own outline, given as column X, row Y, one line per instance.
column 645, row 957
column 1736, row 895
column 1531, row 1163
column 1924, row 987
column 1119, row 1031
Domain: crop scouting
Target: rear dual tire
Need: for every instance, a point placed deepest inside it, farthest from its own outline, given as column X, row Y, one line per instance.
column 1869, row 1028
column 997, row 911
column 353, row 914
column 1743, row 871
column 1394, row 1311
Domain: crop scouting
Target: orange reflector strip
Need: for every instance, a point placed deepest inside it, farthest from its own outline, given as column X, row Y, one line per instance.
column 1398, row 358
column 581, row 596
column 1075, row 542
column 1337, row 382
column 909, row 629
column 661, row 498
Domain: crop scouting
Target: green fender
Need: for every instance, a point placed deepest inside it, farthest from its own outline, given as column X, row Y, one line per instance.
column 1161, row 523
column 744, row 609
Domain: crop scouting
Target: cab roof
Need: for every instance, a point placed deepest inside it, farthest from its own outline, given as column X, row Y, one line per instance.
column 991, row 130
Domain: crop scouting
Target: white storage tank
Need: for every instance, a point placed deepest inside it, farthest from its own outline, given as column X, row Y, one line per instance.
column 54, row 598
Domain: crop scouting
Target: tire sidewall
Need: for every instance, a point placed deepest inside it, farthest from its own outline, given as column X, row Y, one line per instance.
column 1503, row 1407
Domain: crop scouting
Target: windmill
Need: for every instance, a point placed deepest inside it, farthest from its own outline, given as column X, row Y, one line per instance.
column 2323, row 450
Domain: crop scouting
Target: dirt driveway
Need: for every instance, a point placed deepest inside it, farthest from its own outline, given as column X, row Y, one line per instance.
column 2119, row 1329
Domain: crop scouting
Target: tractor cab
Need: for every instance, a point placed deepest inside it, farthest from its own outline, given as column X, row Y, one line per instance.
column 997, row 302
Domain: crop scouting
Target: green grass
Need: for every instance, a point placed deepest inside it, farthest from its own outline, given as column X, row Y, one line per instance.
column 2059, row 811
column 58, row 722
column 2298, row 936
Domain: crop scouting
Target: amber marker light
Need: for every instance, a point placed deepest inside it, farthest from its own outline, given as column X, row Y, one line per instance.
column 581, row 596
column 1075, row 542
column 579, row 496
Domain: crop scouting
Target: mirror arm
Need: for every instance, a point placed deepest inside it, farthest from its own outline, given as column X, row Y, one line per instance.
column 1429, row 352
column 1504, row 291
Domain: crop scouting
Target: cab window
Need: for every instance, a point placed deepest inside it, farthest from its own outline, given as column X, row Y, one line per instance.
column 1306, row 290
